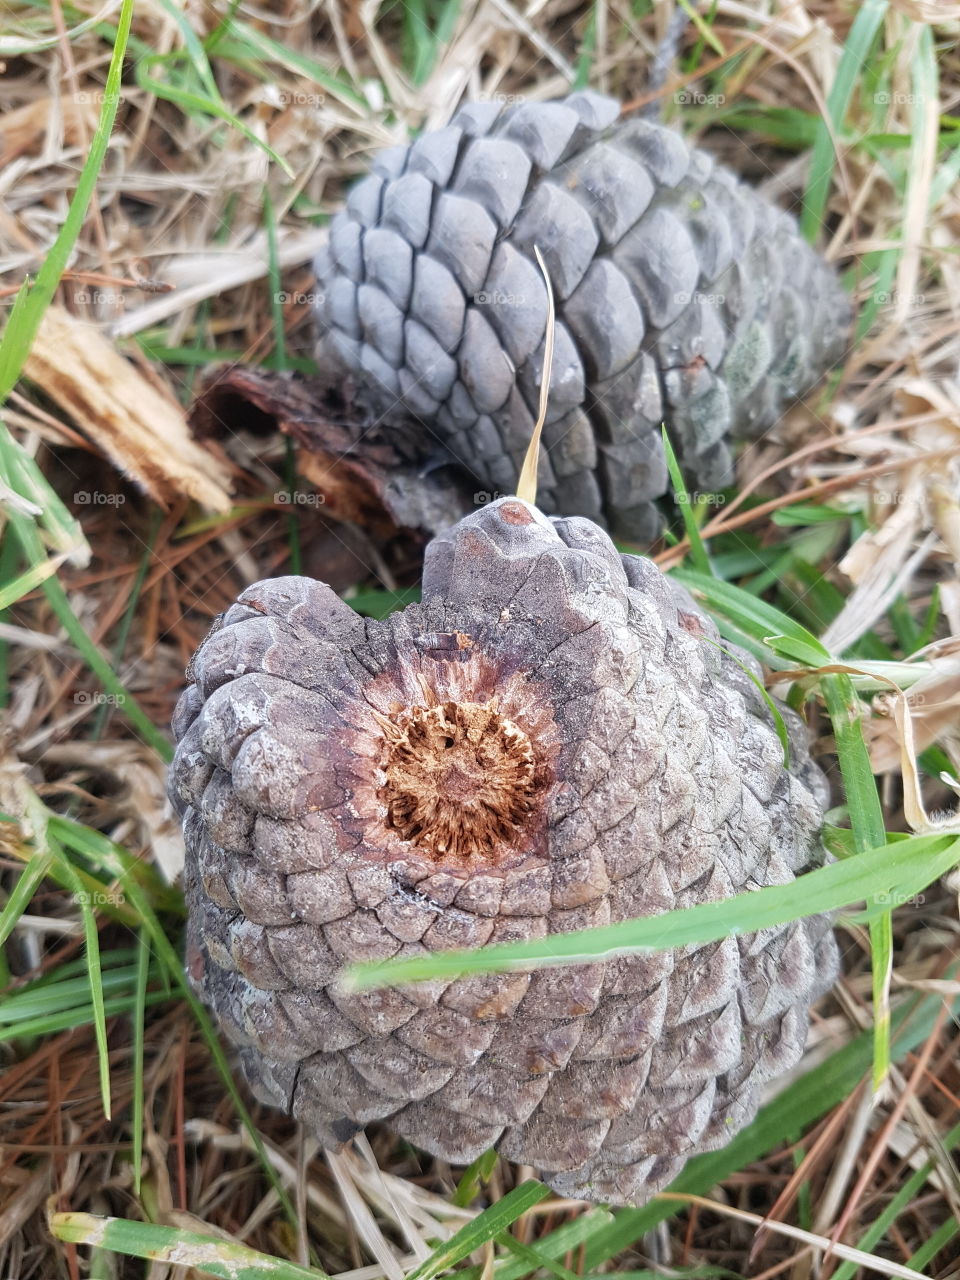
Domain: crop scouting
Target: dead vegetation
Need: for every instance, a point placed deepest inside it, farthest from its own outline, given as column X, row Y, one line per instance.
column 176, row 268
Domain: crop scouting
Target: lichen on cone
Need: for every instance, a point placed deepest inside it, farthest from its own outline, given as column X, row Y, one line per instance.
column 553, row 739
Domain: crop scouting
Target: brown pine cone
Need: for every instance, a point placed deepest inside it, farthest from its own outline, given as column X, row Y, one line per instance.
column 681, row 296
column 551, row 740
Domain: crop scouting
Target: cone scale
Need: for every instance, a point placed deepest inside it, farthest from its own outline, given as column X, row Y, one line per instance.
column 553, row 739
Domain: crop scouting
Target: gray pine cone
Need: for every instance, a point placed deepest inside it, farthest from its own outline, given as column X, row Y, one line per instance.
column 681, row 296
column 551, row 740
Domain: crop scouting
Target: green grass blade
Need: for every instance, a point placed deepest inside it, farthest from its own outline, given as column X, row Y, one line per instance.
column 62, row 533
column 60, row 604
column 426, row 40
column 587, row 53
column 797, row 650
column 557, row 1244
column 896, row 870
column 122, row 868
column 536, row 1260
column 92, row 952
column 194, row 50
column 487, row 1226
column 222, row 28
column 97, row 891
column 139, row 1026
column 203, row 105
column 280, row 341
column 81, row 1016
column 194, row 357
column 681, row 495
column 11, row 47
column 884, row 262
column 443, row 31
column 23, row 891
column 378, row 604
column 866, row 821
column 806, row 514
column 273, row 281
column 946, row 178
column 753, row 616
column 881, row 974
column 946, row 1232
column 33, row 300
column 474, row 1176
column 56, row 991
column 245, row 41
column 28, row 581
column 418, row 45
column 705, row 30
column 859, row 42
column 787, row 127
column 9, row 563
column 210, row 1255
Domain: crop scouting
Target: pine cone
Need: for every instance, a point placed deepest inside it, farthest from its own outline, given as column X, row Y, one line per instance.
column 681, row 295
column 552, row 740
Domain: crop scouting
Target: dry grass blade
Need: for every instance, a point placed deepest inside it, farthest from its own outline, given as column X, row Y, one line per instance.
column 361, row 1217
column 884, row 1266
column 527, row 483
column 208, row 275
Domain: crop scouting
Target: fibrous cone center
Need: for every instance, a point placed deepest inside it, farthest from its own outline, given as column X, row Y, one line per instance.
column 460, row 780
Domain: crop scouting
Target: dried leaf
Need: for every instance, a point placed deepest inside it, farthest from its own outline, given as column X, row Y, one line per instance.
column 933, row 704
